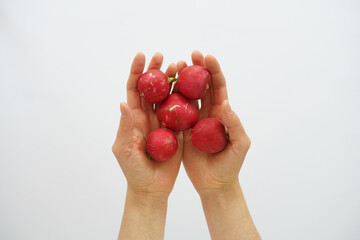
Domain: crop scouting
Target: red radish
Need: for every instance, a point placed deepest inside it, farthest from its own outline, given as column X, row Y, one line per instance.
column 161, row 144
column 154, row 86
column 194, row 81
column 177, row 113
column 209, row 135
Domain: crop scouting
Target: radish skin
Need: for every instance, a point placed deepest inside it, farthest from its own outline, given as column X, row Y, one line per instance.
column 154, row 86
column 177, row 113
column 209, row 135
column 194, row 81
column 161, row 144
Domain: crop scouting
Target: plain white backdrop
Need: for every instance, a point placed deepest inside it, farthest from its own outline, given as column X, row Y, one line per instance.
column 293, row 75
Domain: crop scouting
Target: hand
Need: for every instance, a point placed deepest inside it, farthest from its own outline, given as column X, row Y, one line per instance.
column 138, row 118
column 215, row 176
column 218, row 171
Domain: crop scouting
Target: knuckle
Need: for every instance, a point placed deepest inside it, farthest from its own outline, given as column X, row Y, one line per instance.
column 247, row 142
column 243, row 144
column 135, row 138
column 126, row 152
column 121, row 151
column 114, row 149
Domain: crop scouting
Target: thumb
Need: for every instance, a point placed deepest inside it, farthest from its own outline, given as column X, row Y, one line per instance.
column 237, row 135
column 126, row 122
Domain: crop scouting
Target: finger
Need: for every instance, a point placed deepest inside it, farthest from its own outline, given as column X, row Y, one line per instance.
column 206, row 101
column 146, row 106
column 156, row 61
column 237, row 135
column 181, row 65
column 126, row 123
column 137, row 68
column 171, row 72
column 217, row 79
column 197, row 58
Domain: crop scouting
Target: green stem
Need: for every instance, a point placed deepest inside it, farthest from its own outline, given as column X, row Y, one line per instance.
column 148, row 155
column 172, row 79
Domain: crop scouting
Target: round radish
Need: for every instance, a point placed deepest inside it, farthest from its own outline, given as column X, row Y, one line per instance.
column 177, row 113
column 153, row 85
column 194, row 81
column 209, row 135
column 161, row 144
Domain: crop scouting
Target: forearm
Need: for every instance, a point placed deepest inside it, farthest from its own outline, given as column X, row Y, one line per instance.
column 144, row 216
column 227, row 214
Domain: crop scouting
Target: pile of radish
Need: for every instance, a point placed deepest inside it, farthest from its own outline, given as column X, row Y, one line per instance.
column 176, row 113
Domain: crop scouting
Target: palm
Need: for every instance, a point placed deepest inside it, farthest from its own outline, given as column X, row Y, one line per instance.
column 212, row 170
column 142, row 173
column 215, row 169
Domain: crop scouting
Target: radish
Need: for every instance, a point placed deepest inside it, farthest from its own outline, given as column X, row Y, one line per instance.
column 161, row 144
column 177, row 113
column 154, row 86
column 194, row 81
column 209, row 135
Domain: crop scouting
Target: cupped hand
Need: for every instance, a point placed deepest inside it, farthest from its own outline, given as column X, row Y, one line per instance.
column 138, row 119
column 217, row 171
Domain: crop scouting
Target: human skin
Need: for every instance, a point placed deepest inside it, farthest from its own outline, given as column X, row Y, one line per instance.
column 215, row 176
column 149, row 183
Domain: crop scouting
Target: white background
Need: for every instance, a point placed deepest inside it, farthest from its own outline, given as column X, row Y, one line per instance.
column 293, row 73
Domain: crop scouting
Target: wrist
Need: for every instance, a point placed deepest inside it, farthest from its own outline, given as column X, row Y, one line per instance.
column 144, row 215
column 227, row 214
column 146, row 199
column 226, row 191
